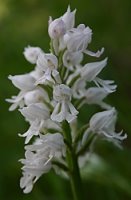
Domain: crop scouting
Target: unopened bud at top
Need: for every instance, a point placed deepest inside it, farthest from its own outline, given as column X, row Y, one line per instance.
column 69, row 18
column 56, row 28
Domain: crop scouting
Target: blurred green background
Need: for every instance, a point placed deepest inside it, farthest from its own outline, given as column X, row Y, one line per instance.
column 25, row 22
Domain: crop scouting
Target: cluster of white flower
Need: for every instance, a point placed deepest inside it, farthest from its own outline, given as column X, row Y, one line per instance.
column 55, row 91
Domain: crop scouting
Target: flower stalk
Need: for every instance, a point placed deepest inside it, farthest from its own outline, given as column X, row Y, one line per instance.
column 75, row 179
column 72, row 161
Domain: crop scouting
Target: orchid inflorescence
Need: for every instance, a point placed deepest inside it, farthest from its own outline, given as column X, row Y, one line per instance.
column 52, row 95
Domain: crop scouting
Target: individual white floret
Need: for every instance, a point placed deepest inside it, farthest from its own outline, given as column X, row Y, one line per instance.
column 39, row 157
column 72, row 59
column 31, row 54
column 77, row 39
column 64, row 109
column 104, row 123
column 25, row 83
column 48, row 64
column 58, row 27
column 35, row 114
column 85, row 74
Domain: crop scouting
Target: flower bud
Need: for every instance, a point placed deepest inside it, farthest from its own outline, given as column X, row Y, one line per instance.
column 69, row 18
column 56, row 28
column 31, row 54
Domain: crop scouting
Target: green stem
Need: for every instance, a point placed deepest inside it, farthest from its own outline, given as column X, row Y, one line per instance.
column 75, row 179
column 74, row 80
column 86, row 146
column 72, row 161
column 79, row 134
column 60, row 165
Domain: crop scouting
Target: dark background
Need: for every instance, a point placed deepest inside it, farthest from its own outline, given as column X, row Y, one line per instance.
column 25, row 22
